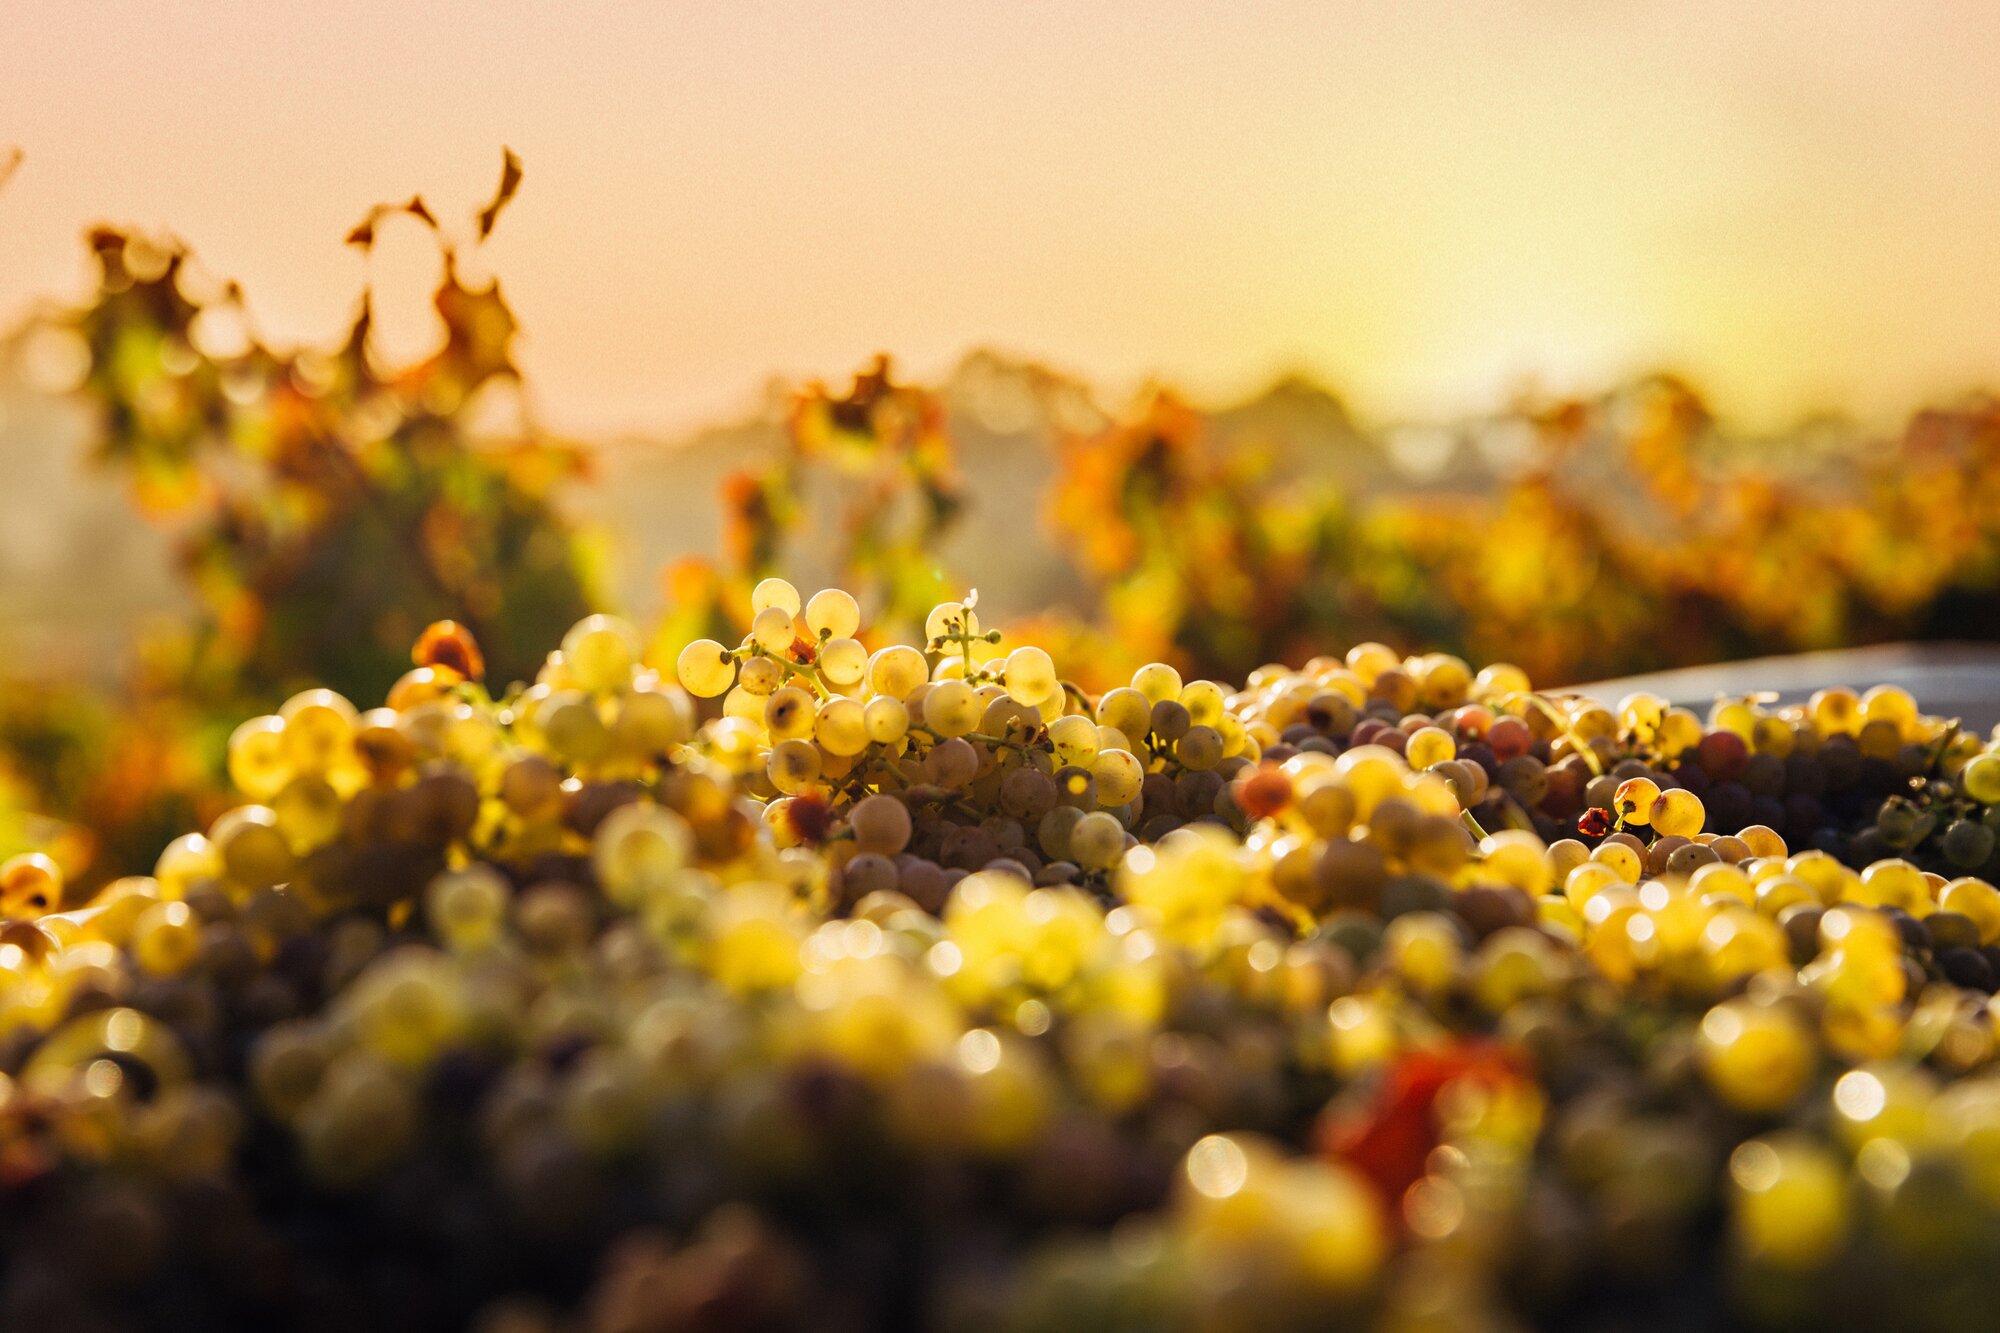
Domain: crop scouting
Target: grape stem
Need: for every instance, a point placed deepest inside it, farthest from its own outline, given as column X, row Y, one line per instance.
column 1569, row 733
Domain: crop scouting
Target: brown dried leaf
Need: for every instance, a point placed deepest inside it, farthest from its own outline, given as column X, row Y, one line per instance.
column 510, row 181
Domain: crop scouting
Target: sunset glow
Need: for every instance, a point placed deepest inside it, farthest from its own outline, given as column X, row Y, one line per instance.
column 1797, row 204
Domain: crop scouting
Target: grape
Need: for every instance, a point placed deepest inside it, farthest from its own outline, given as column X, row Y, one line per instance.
column 318, row 730
column 886, row 719
column 1677, row 813
column 647, row 722
column 1981, row 779
column 881, row 824
column 760, row 675
column 258, row 760
column 1118, row 776
column 1030, row 675
column 1199, row 748
column 472, row 958
column 1789, row 1206
column 1126, row 710
column 774, row 592
column 1634, row 800
column 1968, row 843
column 572, row 727
column 833, row 614
column 1096, row 841
column 951, row 763
column 842, row 727
column 794, row 765
column 1158, row 682
column 468, row 908
column 897, row 671
column 843, row 662
column 601, row 652
column 30, row 884
column 640, row 849
column 949, row 621
column 1205, row 701
column 705, row 669
column 773, row 630
column 951, row 708
column 790, row 713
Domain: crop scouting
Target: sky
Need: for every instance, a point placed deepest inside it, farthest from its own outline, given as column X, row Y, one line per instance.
column 1425, row 205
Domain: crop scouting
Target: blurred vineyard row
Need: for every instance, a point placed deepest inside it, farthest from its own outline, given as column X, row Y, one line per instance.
column 324, row 507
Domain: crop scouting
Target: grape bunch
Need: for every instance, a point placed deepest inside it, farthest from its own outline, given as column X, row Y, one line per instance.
column 823, row 979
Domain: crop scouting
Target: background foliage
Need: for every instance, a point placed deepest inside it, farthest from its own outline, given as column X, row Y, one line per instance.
column 326, row 507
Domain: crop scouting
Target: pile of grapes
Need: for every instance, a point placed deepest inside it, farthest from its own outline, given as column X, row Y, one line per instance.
column 798, row 983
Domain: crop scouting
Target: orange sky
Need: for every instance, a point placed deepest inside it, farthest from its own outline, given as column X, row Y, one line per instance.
column 1798, row 203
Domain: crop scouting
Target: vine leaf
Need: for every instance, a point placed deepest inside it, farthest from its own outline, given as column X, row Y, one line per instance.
column 363, row 234
column 510, row 181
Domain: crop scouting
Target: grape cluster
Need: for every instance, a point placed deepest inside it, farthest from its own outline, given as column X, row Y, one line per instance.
column 821, row 978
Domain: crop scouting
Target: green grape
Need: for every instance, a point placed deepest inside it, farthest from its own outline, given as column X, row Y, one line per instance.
column 1205, row 701
column 286, row 1065
column 253, row 852
column 833, row 614
column 774, row 592
column 467, row 908
column 1007, row 717
column 951, row 763
column 1678, row 813
column 601, row 652
column 1119, row 776
column 1157, row 681
column 640, row 849
column 187, row 861
column 319, row 730
column 1634, row 800
column 950, row 620
column 648, row 721
column 1429, row 745
column 1096, row 841
column 897, row 671
column 793, row 766
column 1425, row 949
column 759, row 675
column 1030, row 674
column 572, row 727
column 1074, row 739
column 774, row 630
column 842, row 727
column 1128, row 710
column 1756, row 1057
column 30, row 885
column 705, row 669
column 744, row 706
column 886, row 719
column 308, row 812
column 843, row 662
column 952, row 708
column 790, row 713
column 1027, row 793
column 1968, row 843
column 1981, row 779
column 1053, row 831
column 165, row 939
column 1789, row 1201
column 258, row 762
